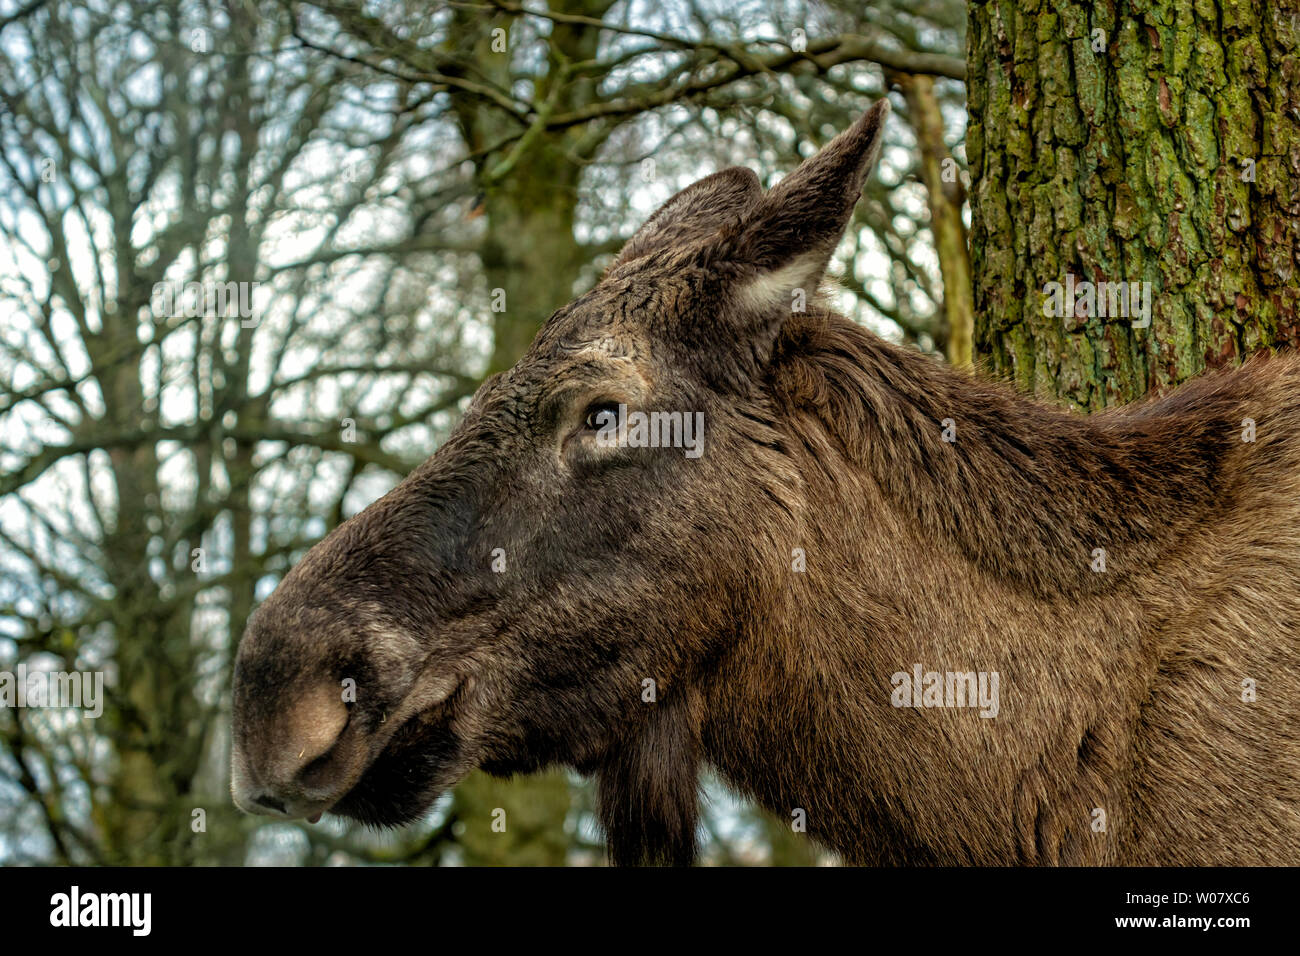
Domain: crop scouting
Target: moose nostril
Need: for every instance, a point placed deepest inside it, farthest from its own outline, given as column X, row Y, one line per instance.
column 316, row 773
column 271, row 804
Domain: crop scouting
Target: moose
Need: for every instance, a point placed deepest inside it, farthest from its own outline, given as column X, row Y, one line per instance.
column 1121, row 591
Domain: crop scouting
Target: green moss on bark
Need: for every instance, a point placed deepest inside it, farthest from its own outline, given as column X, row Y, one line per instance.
column 1170, row 155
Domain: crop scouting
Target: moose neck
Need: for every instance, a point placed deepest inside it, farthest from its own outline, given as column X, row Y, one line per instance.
column 948, row 525
column 1026, row 493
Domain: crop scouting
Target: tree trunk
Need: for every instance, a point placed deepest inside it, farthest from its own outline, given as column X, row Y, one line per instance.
column 945, row 197
column 1159, row 149
column 531, row 257
column 530, row 253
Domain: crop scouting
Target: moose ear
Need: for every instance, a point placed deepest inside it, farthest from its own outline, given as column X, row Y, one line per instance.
column 787, row 238
column 696, row 212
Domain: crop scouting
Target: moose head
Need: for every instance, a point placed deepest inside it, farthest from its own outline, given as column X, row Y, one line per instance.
column 577, row 577
column 536, row 593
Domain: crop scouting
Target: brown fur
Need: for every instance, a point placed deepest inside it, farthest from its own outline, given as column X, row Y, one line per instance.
column 1121, row 690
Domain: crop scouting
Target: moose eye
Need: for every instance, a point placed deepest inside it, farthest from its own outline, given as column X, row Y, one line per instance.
column 601, row 415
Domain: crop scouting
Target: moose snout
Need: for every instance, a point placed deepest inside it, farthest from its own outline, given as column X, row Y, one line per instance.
column 298, row 765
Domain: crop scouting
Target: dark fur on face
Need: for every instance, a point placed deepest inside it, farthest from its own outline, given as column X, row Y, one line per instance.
column 527, row 597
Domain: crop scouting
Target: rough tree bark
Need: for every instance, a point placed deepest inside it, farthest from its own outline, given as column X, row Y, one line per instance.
column 1136, row 142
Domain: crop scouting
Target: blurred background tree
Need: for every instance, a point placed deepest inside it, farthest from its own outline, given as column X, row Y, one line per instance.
column 407, row 190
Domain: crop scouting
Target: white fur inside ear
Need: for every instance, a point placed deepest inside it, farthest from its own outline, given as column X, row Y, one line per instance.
column 789, row 288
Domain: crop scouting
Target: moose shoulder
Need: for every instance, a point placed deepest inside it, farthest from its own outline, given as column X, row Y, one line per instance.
column 935, row 620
